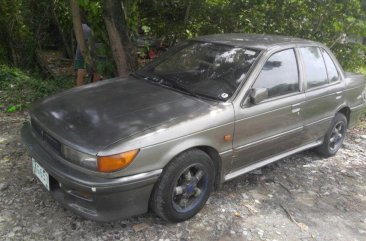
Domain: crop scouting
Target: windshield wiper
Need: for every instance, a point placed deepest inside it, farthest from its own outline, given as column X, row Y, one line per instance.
column 176, row 85
column 209, row 96
column 145, row 77
column 156, row 79
column 170, row 84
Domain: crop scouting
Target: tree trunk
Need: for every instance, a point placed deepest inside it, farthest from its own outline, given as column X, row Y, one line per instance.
column 7, row 40
column 62, row 34
column 79, row 34
column 122, row 49
column 188, row 9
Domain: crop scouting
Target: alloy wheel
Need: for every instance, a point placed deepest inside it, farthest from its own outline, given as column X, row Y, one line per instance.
column 190, row 187
column 337, row 136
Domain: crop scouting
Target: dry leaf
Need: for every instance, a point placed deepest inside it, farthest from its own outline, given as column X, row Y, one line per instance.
column 140, row 226
column 251, row 209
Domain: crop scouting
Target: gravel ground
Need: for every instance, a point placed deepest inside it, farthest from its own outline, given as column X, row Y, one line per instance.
column 302, row 197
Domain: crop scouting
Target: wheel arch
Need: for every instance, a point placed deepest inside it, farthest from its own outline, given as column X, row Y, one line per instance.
column 217, row 161
column 346, row 111
column 214, row 156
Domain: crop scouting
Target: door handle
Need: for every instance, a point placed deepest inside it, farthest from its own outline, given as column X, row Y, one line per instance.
column 339, row 95
column 295, row 108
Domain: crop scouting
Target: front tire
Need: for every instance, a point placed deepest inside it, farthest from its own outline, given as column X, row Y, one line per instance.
column 184, row 186
column 334, row 137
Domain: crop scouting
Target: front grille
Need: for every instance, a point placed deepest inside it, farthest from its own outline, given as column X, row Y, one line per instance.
column 52, row 142
column 55, row 144
column 37, row 129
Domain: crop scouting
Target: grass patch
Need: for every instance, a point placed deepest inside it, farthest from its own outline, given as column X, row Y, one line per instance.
column 18, row 89
column 362, row 70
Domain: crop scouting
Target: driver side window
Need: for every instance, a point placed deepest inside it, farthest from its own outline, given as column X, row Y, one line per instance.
column 279, row 75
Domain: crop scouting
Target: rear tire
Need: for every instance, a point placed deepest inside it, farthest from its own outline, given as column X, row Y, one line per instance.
column 184, row 186
column 334, row 137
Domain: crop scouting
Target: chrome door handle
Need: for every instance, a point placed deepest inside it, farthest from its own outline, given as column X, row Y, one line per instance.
column 295, row 108
column 339, row 95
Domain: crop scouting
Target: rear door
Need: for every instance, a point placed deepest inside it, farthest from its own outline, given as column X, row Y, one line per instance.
column 274, row 125
column 324, row 91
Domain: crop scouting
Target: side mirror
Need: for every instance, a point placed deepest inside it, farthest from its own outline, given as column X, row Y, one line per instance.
column 257, row 95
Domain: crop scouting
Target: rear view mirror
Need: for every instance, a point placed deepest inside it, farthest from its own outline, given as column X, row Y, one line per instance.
column 257, row 95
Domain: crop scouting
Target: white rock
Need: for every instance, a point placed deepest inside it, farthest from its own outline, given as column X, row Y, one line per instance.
column 3, row 186
column 245, row 197
column 260, row 233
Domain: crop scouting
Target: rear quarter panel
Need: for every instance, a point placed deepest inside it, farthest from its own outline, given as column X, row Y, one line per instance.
column 355, row 85
column 355, row 94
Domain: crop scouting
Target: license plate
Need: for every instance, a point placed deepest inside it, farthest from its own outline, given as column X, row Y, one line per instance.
column 41, row 174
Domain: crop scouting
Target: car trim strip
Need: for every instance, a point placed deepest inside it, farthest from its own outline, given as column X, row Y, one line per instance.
column 318, row 121
column 269, row 160
column 239, row 148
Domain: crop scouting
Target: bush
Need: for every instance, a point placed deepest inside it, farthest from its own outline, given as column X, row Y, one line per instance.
column 19, row 89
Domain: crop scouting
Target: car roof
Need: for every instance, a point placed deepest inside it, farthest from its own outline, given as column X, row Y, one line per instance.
column 259, row 41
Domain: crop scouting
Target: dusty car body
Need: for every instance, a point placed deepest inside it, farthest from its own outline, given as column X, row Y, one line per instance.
column 236, row 129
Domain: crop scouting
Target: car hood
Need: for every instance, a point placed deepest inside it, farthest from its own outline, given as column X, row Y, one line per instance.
column 91, row 117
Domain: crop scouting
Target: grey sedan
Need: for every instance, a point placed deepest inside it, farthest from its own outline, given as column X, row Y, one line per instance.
column 208, row 110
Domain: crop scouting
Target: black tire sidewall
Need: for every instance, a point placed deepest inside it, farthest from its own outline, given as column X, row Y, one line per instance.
column 162, row 202
column 325, row 146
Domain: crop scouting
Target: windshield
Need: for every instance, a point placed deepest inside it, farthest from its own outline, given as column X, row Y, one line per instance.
column 203, row 69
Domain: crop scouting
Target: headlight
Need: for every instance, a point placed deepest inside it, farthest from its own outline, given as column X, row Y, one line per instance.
column 116, row 162
column 80, row 158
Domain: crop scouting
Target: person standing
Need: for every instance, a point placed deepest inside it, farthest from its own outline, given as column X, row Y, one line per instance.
column 80, row 66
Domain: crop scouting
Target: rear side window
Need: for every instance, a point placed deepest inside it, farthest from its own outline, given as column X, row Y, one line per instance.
column 314, row 67
column 279, row 74
column 331, row 68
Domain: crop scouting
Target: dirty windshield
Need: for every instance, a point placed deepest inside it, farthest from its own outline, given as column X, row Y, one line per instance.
column 204, row 69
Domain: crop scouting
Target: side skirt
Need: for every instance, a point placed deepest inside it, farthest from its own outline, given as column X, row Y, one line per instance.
column 269, row 160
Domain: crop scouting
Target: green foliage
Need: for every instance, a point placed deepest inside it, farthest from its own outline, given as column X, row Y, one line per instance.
column 32, row 25
column 325, row 21
column 62, row 16
column 362, row 70
column 19, row 89
column 12, row 108
column 92, row 9
column 15, row 36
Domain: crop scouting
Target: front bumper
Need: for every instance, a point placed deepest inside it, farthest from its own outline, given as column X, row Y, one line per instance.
column 96, row 198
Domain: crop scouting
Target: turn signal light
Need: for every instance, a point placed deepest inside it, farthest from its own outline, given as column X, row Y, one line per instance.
column 228, row 138
column 116, row 162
